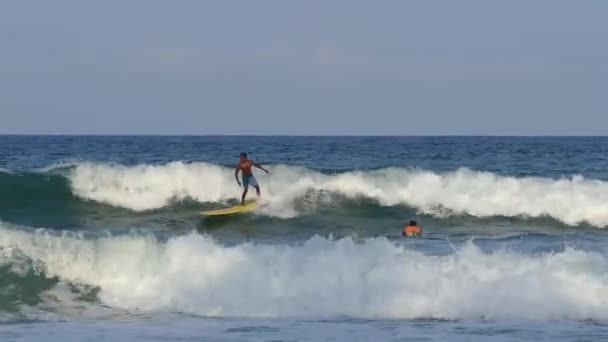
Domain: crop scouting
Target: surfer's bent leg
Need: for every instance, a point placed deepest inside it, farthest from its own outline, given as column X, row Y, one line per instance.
column 254, row 183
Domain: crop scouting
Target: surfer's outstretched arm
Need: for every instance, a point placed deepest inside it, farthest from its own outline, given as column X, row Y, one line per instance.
column 260, row 167
column 236, row 175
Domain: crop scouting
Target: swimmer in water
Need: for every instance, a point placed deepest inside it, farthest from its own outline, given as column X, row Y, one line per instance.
column 412, row 230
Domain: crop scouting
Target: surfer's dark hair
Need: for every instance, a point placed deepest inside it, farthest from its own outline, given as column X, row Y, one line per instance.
column 243, row 154
column 412, row 223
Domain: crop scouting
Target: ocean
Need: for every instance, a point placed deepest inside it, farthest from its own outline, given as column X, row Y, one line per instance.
column 101, row 239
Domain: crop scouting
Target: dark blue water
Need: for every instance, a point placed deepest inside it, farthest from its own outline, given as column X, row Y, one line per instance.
column 516, row 156
column 108, row 229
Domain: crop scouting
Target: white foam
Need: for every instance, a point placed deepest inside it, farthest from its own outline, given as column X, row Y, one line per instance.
column 146, row 187
column 323, row 278
column 13, row 260
column 57, row 166
column 480, row 194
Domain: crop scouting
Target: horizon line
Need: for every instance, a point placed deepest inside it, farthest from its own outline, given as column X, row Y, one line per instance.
column 303, row 135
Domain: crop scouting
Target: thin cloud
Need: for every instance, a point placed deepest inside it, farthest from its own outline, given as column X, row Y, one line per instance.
column 176, row 56
column 324, row 55
column 337, row 56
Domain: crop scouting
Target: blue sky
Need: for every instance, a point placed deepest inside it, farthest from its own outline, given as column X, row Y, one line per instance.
column 304, row 67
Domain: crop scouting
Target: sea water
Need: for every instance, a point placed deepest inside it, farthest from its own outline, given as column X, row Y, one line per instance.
column 101, row 239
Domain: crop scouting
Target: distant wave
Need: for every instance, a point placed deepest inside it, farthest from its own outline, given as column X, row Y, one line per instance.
column 480, row 194
column 319, row 278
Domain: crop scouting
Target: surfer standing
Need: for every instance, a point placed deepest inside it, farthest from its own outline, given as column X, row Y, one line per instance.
column 245, row 166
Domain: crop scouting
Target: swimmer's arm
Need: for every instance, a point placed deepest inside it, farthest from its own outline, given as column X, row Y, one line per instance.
column 260, row 167
column 236, row 174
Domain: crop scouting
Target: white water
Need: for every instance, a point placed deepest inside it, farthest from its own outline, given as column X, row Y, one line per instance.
column 480, row 194
column 323, row 278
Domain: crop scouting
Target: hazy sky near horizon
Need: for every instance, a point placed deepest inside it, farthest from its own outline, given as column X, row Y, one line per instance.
column 304, row 67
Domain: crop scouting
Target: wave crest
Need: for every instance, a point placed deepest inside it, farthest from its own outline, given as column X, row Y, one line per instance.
column 481, row 194
column 323, row 278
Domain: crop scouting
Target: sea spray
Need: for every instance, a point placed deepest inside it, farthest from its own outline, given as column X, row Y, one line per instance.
column 322, row 277
column 481, row 194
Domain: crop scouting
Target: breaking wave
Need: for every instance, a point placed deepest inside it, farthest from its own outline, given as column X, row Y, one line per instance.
column 481, row 194
column 320, row 277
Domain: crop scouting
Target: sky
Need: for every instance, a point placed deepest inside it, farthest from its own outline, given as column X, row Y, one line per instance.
column 331, row 67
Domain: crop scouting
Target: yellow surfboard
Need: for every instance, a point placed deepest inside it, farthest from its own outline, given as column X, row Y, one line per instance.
column 237, row 209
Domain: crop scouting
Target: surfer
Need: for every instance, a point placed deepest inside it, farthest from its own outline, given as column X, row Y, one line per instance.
column 412, row 230
column 248, row 179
